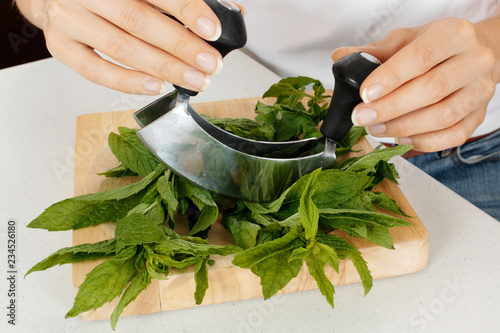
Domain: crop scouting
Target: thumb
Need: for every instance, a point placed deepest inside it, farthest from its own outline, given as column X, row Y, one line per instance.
column 380, row 52
column 382, row 49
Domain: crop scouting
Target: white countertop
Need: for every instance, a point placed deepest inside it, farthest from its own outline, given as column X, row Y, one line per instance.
column 457, row 292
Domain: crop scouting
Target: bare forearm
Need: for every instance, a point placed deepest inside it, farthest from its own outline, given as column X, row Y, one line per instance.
column 488, row 32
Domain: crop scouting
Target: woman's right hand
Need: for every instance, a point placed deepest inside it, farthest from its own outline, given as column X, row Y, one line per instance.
column 136, row 34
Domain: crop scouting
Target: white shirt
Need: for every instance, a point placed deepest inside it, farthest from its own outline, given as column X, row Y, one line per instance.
column 297, row 37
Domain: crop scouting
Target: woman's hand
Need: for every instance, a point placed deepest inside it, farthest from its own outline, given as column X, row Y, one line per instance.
column 134, row 33
column 433, row 87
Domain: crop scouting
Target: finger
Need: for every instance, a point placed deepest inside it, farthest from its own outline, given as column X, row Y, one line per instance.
column 88, row 64
column 436, row 84
column 441, row 115
column 423, row 53
column 101, row 35
column 447, row 138
column 195, row 14
column 148, row 24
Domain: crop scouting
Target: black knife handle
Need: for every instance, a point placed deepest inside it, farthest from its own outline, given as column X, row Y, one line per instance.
column 233, row 35
column 349, row 73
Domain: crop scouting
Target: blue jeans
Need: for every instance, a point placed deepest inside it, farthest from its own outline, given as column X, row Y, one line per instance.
column 471, row 170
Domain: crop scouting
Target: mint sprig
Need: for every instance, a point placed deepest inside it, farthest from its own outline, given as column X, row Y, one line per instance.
column 274, row 239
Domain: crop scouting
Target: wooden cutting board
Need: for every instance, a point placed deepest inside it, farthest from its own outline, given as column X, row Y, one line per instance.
column 227, row 282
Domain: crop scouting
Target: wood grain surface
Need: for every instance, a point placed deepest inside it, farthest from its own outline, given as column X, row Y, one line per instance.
column 227, row 282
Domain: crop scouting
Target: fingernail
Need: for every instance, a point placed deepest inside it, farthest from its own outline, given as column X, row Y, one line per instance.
column 371, row 93
column 363, row 116
column 154, row 87
column 404, row 141
column 197, row 79
column 210, row 63
column 208, row 29
column 376, row 129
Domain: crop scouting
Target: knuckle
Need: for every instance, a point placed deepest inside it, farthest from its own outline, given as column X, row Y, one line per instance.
column 486, row 59
column 133, row 17
column 183, row 9
column 464, row 29
column 180, row 48
column 425, row 57
column 122, row 83
column 166, row 70
column 394, row 107
column 117, row 48
column 487, row 89
column 401, row 129
column 438, row 87
column 450, row 115
column 460, row 134
column 89, row 71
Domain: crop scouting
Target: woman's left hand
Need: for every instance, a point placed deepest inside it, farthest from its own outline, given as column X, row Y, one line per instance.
column 433, row 87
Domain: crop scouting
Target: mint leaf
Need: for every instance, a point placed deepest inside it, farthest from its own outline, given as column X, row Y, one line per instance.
column 105, row 282
column 93, row 209
column 138, row 284
column 119, row 171
column 208, row 216
column 370, row 160
column 345, row 250
column 316, row 265
column 168, row 193
column 308, row 211
column 193, row 248
column 252, row 256
column 131, row 152
column 276, row 272
column 244, row 232
column 333, row 187
column 266, row 208
column 382, row 200
column 76, row 253
column 201, row 280
column 137, row 229
column 372, row 226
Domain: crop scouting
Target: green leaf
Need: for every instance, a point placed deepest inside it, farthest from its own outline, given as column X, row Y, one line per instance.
column 168, row 193
column 119, row 171
column 352, row 137
column 208, row 216
column 382, row 200
column 333, row 188
column 252, row 256
column 155, row 212
column 316, row 266
column 137, row 229
column 105, row 282
column 138, row 284
column 370, row 160
column 372, row 226
column 131, row 152
column 308, row 211
column 344, row 250
column 276, row 272
column 193, row 248
column 361, row 200
column 266, row 208
column 201, row 280
column 244, row 232
column 76, row 253
column 293, row 124
column 368, row 216
column 93, row 209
